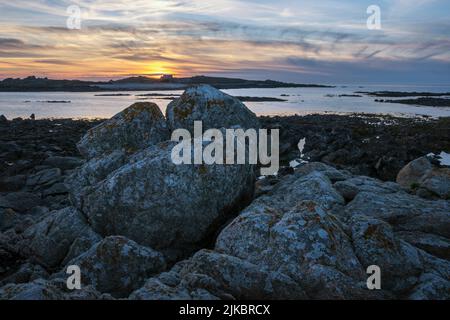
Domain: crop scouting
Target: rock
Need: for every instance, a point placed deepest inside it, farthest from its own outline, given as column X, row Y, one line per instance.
column 431, row 287
column 351, row 187
column 63, row 163
column 10, row 146
column 48, row 242
column 403, row 211
column 27, row 272
column 264, row 185
column 294, row 242
column 93, row 171
column 118, row 265
column 218, row 275
column 12, row 184
column 374, row 243
column 41, row 289
column 436, row 245
column 19, row 201
column 3, row 119
column 137, row 127
column 9, row 218
column 422, row 174
column 57, row 188
column 44, row 177
column 331, row 173
column 171, row 208
column 214, row 108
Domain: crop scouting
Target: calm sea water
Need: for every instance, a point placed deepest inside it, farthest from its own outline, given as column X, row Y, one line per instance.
column 300, row 101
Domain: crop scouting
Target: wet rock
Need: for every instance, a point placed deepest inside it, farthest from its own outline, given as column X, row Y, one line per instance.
column 9, row 218
column 425, row 178
column 214, row 108
column 165, row 206
column 44, row 177
column 63, row 163
column 57, row 188
column 138, row 126
column 19, row 201
column 118, row 265
column 13, row 183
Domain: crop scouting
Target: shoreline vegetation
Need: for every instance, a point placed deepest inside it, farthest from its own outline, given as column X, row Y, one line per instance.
column 34, row 84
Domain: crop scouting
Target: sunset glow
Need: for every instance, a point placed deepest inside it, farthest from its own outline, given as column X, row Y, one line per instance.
column 283, row 40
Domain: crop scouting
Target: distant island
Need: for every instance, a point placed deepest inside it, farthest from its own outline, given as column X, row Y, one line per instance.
column 166, row 82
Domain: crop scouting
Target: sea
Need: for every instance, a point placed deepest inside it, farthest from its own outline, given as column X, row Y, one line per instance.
column 301, row 101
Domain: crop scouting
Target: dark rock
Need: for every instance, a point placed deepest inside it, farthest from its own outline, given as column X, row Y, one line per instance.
column 44, row 177
column 117, row 265
column 425, row 178
column 19, row 201
column 63, row 163
column 211, row 275
column 49, row 241
column 14, row 183
column 57, row 188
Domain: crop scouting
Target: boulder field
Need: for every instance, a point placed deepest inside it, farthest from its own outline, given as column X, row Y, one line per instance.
column 141, row 227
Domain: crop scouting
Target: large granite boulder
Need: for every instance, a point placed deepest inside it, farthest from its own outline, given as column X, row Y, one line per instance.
column 93, row 171
column 138, row 126
column 117, row 265
column 296, row 233
column 318, row 245
column 213, row 107
column 168, row 207
column 425, row 178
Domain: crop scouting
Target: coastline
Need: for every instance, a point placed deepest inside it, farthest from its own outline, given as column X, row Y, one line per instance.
column 368, row 144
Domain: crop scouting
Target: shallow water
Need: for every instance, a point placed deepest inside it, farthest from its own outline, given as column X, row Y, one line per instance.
column 300, row 101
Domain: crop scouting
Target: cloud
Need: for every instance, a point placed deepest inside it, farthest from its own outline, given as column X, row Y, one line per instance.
column 265, row 38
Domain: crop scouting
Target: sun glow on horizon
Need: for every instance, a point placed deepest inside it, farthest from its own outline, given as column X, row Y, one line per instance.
column 281, row 40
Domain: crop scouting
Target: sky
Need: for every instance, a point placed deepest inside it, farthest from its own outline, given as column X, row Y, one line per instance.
column 298, row 41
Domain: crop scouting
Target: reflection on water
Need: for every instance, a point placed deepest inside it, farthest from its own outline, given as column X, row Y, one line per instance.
column 300, row 101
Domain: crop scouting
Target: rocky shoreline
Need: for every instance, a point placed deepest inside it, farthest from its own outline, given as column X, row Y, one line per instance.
column 90, row 193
